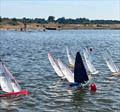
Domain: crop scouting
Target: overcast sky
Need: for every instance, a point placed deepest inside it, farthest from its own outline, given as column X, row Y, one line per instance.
column 92, row 9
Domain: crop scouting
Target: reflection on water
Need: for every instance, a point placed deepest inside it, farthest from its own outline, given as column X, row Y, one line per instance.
column 25, row 54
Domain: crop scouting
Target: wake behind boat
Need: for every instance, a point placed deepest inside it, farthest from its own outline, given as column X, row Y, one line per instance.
column 8, row 83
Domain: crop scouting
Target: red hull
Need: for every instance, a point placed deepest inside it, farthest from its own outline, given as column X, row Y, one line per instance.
column 23, row 92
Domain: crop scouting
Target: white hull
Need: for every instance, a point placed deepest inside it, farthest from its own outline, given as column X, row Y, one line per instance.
column 96, row 72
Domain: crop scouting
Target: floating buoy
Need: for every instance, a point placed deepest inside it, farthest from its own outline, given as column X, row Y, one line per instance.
column 93, row 87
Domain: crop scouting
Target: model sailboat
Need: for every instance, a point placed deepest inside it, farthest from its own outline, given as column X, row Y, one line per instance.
column 88, row 61
column 110, row 63
column 8, row 83
column 79, row 77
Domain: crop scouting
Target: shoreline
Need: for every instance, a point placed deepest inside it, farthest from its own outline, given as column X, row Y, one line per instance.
column 55, row 26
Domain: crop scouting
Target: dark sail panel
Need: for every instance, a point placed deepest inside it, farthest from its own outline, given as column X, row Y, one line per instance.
column 80, row 74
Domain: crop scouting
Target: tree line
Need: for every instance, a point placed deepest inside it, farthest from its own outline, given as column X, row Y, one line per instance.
column 62, row 20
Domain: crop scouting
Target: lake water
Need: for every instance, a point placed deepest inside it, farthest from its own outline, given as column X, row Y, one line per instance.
column 25, row 54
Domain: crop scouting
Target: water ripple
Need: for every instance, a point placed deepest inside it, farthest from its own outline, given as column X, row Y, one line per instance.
column 26, row 56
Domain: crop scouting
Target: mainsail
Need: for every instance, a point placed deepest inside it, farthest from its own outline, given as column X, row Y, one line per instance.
column 70, row 57
column 5, row 84
column 80, row 74
column 14, row 83
column 110, row 63
column 8, row 82
column 55, row 65
column 66, row 71
column 88, row 61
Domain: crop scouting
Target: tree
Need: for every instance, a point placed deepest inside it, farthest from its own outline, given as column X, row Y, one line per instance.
column 61, row 20
column 24, row 20
column 14, row 20
column 51, row 19
column 39, row 20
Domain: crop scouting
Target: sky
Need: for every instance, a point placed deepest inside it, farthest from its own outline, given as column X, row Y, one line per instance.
column 91, row 9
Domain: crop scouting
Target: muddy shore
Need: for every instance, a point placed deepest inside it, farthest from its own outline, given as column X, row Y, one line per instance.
column 55, row 26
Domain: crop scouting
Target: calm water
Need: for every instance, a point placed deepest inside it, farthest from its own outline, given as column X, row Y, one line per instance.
column 25, row 53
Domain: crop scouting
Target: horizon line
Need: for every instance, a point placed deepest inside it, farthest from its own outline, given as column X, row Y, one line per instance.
column 57, row 18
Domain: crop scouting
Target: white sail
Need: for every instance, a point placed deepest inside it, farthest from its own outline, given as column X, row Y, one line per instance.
column 66, row 71
column 4, row 81
column 70, row 57
column 55, row 65
column 110, row 63
column 10, row 80
column 88, row 61
column 5, row 85
column 16, row 87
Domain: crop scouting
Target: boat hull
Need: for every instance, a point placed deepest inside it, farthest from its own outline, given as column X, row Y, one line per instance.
column 116, row 73
column 96, row 72
column 23, row 92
